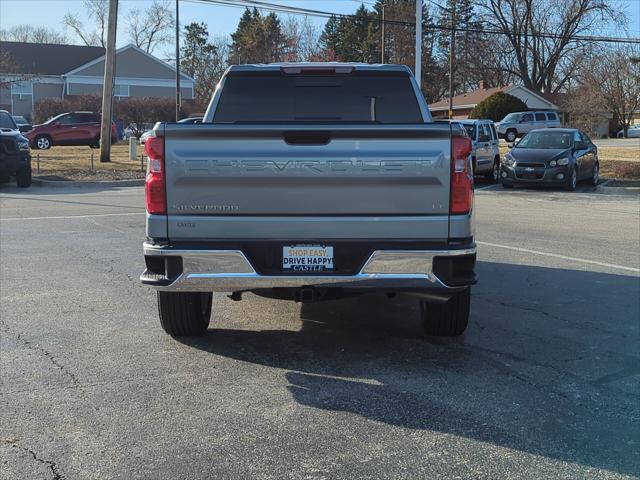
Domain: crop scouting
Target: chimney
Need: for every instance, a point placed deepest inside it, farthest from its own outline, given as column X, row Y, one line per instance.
column 482, row 85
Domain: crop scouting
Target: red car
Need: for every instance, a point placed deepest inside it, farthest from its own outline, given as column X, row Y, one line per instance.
column 73, row 128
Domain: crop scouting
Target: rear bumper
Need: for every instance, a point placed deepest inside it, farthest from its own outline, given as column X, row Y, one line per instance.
column 192, row 270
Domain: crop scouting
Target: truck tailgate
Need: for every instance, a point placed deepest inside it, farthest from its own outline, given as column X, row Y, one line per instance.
column 346, row 170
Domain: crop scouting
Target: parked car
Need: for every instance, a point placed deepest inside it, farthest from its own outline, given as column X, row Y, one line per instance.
column 73, row 128
column 23, row 124
column 486, row 150
column 559, row 156
column 15, row 157
column 518, row 124
column 632, row 132
column 343, row 188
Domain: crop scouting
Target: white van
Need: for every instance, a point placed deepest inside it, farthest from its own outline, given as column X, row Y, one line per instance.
column 518, row 124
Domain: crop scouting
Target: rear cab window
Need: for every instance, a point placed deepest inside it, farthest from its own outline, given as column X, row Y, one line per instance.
column 357, row 97
column 552, row 116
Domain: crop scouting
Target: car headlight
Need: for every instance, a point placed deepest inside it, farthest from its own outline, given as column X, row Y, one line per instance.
column 562, row 161
column 23, row 145
column 509, row 160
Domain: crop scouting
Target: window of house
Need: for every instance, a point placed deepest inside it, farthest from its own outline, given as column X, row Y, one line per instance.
column 120, row 90
column 21, row 88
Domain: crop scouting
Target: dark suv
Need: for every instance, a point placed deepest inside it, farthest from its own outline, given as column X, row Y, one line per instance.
column 15, row 158
column 73, row 128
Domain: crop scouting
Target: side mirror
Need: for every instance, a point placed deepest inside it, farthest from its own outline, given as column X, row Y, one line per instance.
column 511, row 145
column 56, row 124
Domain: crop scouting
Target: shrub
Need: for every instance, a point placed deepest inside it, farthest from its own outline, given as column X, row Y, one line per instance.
column 141, row 112
column 45, row 108
column 497, row 106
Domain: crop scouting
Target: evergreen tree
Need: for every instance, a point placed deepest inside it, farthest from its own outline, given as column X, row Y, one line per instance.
column 201, row 60
column 258, row 39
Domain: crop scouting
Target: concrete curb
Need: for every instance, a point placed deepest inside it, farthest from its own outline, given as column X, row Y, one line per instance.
column 135, row 182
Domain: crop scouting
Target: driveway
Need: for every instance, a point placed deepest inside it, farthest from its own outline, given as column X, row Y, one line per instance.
column 544, row 384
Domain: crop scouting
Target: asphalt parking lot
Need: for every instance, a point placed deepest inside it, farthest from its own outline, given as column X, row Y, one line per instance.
column 544, row 384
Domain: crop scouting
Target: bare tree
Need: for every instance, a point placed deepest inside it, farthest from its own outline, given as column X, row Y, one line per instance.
column 545, row 63
column 150, row 28
column 31, row 34
column 618, row 79
column 303, row 39
column 97, row 11
column 585, row 107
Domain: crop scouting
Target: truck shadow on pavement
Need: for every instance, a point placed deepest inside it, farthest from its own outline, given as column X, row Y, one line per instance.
column 546, row 367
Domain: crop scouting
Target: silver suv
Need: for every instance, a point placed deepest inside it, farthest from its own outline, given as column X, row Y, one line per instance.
column 486, row 151
column 518, row 124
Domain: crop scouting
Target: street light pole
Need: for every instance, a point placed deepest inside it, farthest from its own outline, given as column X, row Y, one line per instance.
column 418, row 69
column 382, row 57
column 177, row 61
column 452, row 58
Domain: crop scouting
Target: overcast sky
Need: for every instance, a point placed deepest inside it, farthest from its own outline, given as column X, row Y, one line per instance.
column 220, row 19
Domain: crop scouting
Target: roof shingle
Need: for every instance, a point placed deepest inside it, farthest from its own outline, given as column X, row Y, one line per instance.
column 47, row 59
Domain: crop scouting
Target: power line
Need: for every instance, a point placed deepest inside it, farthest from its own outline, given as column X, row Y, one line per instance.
column 272, row 7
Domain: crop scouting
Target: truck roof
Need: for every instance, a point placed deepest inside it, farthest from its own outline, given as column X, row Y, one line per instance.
column 358, row 66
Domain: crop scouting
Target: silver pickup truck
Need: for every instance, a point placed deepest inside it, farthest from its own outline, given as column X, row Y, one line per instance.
column 310, row 182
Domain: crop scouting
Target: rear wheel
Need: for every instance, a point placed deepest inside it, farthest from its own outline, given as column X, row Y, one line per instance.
column 447, row 319
column 184, row 314
column 511, row 135
column 494, row 175
column 23, row 177
column 595, row 175
column 572, row 180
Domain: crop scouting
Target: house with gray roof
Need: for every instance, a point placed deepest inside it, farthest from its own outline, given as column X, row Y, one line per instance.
column 35, row 71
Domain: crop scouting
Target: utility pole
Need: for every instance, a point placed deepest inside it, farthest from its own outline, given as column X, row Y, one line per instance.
column 418, row 69
column 177, row 61
column 107, row 88
column 382, row 56
column 452, row 59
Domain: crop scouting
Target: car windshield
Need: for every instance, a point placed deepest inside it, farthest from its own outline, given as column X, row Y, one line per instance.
column 6, row 121
column 546, row 140
column 512, row 117
column 470, row 128
column 20, row 119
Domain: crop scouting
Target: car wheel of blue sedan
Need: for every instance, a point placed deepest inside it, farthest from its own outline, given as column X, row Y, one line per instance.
column 573, row 180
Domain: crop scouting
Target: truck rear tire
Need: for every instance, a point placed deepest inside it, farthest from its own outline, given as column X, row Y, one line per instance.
column 448, row 319
column 184, row 314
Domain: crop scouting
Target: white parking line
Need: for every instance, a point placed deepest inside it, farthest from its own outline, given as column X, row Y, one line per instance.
column 72, row 216
column 563, row 257
column 485, row 187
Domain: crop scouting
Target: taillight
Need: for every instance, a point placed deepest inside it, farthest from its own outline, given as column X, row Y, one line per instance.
column 154, row 185
column 461, row 176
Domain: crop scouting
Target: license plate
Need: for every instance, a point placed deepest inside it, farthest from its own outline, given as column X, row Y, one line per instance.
column 307, row 258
